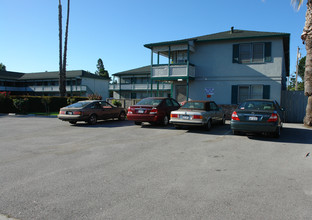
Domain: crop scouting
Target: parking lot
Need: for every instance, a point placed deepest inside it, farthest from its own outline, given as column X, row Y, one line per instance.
column 50, row 169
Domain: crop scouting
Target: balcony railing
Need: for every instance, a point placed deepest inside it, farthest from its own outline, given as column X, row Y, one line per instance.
column 44, row 89
column 162, row 86
column 173, row 71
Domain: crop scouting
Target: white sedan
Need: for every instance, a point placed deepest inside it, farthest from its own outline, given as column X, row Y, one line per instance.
column 197, row 113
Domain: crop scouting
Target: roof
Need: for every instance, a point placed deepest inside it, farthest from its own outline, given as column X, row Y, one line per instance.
column 138, row 71
column 234, row 34
column 7, row 75
column 55, row 75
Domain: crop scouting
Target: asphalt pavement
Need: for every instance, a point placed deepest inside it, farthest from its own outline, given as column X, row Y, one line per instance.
column 50, row 169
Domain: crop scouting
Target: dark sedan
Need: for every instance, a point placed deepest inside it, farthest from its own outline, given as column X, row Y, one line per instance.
column 90, row 111
column 258, row 116
column 153, row 110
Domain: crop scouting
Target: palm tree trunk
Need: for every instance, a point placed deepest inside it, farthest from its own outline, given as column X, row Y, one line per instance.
column 61, row 81
column 307, row 38
column 65, row 44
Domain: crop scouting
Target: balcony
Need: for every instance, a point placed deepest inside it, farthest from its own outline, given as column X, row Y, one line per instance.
column 56, row 88
column 174, row 71
column 137, row 87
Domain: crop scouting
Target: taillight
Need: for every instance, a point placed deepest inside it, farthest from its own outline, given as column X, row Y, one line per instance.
column 197, row 117
column 235, row 116
column 130, row 111
column 62, row 112
column 77, row 113
column 153, row 111
column 173, row 115
column 273, row 117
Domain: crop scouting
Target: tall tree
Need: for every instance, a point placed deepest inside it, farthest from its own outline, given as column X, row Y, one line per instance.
column 306, row 36
column 62, row 63
column 101, row 70
column 2, row 67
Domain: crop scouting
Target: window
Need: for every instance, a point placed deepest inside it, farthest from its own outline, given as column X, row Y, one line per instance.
column 240, row 93
column 252, row 53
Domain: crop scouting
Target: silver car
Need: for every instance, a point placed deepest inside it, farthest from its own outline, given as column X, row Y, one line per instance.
column 197, row 113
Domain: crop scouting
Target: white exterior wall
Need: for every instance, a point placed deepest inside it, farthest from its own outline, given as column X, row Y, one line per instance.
column 96, row 86
column 215, row 69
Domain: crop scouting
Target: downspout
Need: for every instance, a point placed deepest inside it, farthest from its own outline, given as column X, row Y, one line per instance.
column 119, row 87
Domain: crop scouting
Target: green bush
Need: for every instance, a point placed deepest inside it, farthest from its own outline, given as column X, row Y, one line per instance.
column 21, row 104
column 6, row 103
column 116, row 103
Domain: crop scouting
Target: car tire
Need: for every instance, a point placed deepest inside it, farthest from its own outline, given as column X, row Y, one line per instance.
column 165, row 121
column 137, row 123
column 122, row 116
column 73, row 122
column 92, row 120
column 208, row 125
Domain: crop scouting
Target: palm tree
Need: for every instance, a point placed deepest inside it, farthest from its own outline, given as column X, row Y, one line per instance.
column 306, row 36
column 62, row 63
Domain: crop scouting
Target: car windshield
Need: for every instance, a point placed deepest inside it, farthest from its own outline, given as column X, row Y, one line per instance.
column 194, row 105
column 78, row 105
column 257, row 105
column 149, row 102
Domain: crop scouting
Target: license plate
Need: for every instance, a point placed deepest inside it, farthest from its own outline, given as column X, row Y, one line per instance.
column 186, row 117
column 253, row 118
column 69, row 113
column 140, row 111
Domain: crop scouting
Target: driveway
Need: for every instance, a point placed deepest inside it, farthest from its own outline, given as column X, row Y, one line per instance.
column 50, row 169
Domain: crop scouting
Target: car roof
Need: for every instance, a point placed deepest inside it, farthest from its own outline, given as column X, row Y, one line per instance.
column 261, row 100
column 200, row 101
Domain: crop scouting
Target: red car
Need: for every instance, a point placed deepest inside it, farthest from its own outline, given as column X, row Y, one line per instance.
column 155, row 110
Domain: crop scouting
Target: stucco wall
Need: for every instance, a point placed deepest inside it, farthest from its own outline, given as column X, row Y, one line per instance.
column 96, row 86
column 215, row 69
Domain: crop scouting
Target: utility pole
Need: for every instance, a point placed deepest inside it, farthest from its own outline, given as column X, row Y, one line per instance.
column 297, row 67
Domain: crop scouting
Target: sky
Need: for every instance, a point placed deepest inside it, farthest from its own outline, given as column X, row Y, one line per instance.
column 116, row 30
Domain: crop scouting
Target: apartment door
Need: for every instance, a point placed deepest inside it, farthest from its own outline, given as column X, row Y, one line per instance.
column 181, row 93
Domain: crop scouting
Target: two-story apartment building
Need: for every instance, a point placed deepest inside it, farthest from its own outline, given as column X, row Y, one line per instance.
column 229, row 66
column 78, row 83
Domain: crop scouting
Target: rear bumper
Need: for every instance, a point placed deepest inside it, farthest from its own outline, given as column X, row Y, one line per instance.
column 187, row 122
column 72, row 118
column 253, row 127
column 143, row 118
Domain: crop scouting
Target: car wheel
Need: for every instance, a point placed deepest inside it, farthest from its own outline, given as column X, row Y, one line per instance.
column 137, row 123
column 73, row 122
column 122, row 116
column 165, row 121
column 208, row 125
column 92, row 120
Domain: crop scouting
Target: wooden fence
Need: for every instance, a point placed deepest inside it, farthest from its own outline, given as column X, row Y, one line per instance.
column 295, row 103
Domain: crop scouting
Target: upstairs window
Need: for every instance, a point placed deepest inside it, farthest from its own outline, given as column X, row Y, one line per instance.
column 252, row 53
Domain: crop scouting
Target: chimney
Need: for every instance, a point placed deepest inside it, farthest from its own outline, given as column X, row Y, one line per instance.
column 232, row 30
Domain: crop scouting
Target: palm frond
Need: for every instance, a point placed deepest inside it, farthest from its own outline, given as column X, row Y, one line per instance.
column 297, row 3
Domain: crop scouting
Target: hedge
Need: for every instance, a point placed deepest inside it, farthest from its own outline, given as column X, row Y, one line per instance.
column 39, row 104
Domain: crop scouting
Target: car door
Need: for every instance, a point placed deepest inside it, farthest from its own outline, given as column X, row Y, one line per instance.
column 108, row 110
column 96, row 108
column 215, row 113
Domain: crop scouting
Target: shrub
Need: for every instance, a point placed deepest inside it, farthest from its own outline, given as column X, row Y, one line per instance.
column 116, row 103
column 21, row 104
column 94, row 97
column 6, row 103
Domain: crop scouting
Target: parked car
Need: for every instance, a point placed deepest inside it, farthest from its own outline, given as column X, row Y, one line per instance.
column 90, row 111
column 153, row 110
column 258, row 116
column 197, row 113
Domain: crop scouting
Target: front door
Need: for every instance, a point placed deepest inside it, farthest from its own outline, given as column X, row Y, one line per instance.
column 181, row 93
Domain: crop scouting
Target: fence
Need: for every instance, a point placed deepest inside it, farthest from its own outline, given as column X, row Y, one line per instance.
column 295, row 103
